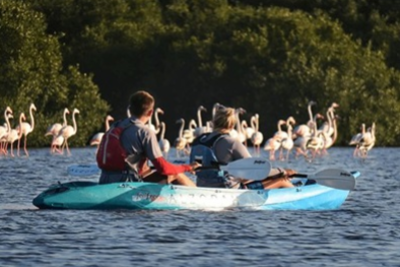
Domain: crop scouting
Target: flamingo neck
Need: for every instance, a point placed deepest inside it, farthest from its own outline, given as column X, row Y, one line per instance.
column 157, row 119
column 107, row 125
column 181, row 129
column 32, row 118
column 8, row 124
column 65, row 118
column 238, row 125
column 74, row 122
column 310, row 115
column 332, row 117
column 199, row 118
column 162, row 131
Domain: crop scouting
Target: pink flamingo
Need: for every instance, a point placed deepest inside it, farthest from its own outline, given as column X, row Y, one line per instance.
column 4, row 131
column 26, row 129
column 68, row 131
column 96, row 139
column 164, row 143
column 54, row 130
column 14, row 134
column 257, row 137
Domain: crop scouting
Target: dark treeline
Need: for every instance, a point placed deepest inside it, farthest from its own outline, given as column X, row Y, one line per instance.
column 270, row 57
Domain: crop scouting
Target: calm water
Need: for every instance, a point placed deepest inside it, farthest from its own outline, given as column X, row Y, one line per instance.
column 363, row 232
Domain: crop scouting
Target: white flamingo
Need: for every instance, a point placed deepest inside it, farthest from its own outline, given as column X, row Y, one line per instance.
column 164, row 143
column 188, row 133
column 180, row 141
column 26, row 129
column 287, row 143
column 305, row 129
column 280, row 134
column 367, row 142
column 155, row 128
column 96, row 139
column 355, row 140
column 274, row 143
column 237, row 133
column 257, row 137
column 330, row 134
column 327, row 126
column 4, row 131
column 68, row 131
column 247, row 130
column 200, row 128
column 316, row 142
column 14, row 134
column 54, row 130
column 301, row 141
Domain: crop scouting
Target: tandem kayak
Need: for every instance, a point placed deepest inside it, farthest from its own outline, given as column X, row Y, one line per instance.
column 308, row 195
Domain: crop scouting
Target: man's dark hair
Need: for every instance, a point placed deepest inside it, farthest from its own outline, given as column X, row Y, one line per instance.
column 140, row 103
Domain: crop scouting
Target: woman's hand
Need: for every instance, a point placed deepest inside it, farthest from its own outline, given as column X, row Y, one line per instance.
column 194, row 166
column 289, row 173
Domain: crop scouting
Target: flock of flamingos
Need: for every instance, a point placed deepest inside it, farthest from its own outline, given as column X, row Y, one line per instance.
column 310, row 139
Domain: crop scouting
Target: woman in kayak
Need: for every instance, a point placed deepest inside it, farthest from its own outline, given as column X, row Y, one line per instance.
column 128, row 145
column 218, row 146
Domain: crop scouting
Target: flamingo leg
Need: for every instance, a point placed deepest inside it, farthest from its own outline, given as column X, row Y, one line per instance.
column 25, row 148
column 66, row 145
column 19, row 142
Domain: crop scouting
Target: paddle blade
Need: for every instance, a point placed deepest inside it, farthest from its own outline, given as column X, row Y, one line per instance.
column 335, row 178
column 83, row 169
column 249, row 168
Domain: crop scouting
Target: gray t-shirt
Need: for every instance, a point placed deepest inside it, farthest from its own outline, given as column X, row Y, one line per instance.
column 228, row 149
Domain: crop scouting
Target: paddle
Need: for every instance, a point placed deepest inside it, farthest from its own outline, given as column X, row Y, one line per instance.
column 335, row 178
column 248, row 168
column 93, row 169
column 83, row 169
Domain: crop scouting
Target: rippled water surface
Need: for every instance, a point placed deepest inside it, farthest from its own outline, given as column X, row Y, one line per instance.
column 363, row 232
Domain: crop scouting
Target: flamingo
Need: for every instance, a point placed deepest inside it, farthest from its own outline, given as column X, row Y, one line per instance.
column 180, row 141
column 330, row 134
column 4, row 130
column 237, row 133
column 200, row 128
column 248, row 130
column 274, row 143
column 301, row 141
column 188, row 134
column 316, row 141
column 164, row 143
column 305, row 129
column 26, row 128
column 68, row 131
column 281, row 134
column 54, row 130
column 355, row 140
column 257, row 137
column 287, row 143
column 155, row 128
column 367, row 141
column 327, row 126
column 96, row 139
column 14, row 134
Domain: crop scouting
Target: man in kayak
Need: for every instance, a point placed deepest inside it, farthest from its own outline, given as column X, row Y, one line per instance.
column 219, row 147
column 126, row 148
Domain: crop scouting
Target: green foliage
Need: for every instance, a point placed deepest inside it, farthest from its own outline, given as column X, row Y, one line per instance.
column 32, row 72
column 270, row 57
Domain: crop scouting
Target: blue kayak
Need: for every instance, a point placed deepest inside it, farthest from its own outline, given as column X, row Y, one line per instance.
column 307, row 195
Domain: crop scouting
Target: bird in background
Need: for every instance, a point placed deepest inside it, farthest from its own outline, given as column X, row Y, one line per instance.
column 67, row 131
column 26, row 128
